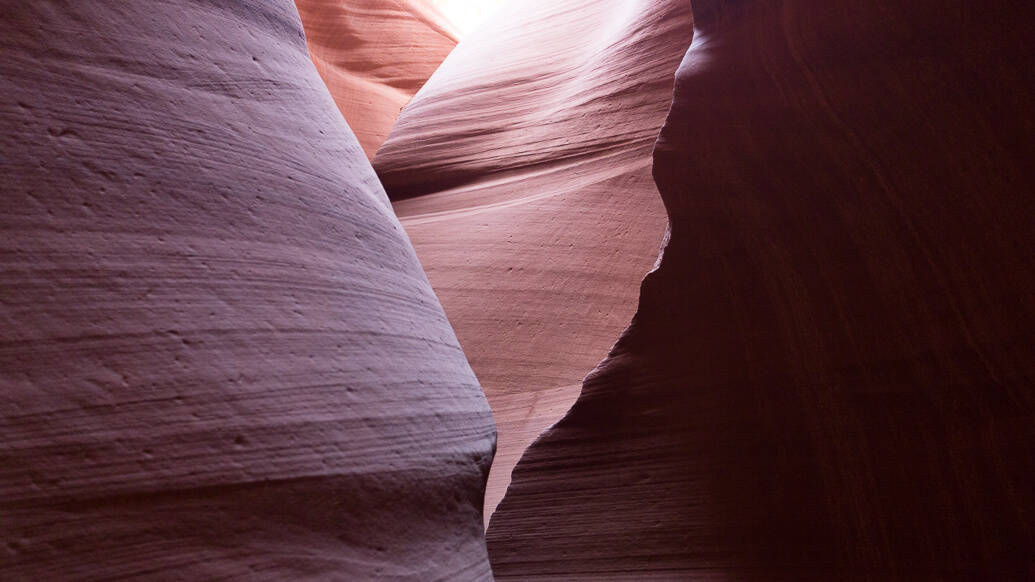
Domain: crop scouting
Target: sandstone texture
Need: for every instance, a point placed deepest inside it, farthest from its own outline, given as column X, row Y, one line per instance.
column 219, row 356
column 521, row 172
column 374, row 55
column 830, row 374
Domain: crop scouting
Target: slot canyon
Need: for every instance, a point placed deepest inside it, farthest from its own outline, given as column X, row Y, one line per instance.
column 530, row 290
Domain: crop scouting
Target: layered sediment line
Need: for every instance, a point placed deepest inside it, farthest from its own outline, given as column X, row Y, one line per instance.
column 829, row 376
column 374, row 55
column 521, row 172
column 219, row 356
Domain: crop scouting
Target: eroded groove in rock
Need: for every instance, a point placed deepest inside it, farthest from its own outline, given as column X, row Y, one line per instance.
column 219, row 356
column 522, row 172
column 829, row 376
column 374, row 55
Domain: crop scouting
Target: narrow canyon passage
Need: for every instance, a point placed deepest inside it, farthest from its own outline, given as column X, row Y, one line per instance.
column 521, row 172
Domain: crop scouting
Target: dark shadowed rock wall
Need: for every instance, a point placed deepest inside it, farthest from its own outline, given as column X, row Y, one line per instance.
column 830, row 375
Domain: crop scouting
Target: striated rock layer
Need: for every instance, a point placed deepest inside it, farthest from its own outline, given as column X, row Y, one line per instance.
column 830, row 373
column 374, row 55
column 521, row 172
column 219, row 356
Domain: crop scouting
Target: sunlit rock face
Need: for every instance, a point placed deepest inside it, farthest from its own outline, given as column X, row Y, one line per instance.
column 829, row 376
column 219, row 356
column 374, row 55
column 467, row 15
column 521, row 172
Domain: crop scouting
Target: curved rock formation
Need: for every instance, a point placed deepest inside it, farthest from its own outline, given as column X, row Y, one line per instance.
column 219, row 356
column 830, row 373
column 374, row 55
column 522, row 174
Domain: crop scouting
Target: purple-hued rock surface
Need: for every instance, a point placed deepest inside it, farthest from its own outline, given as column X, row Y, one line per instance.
column 219, row 356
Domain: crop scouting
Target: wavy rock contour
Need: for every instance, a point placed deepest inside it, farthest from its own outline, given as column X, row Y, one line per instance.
column 829, row 376
column 374, row 55
column 522, row 174
column 219, row 356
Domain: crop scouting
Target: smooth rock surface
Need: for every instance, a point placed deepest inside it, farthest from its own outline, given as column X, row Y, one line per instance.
column 219, row 356
column 374, row 55
column 830, row 375
column 521, row 172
